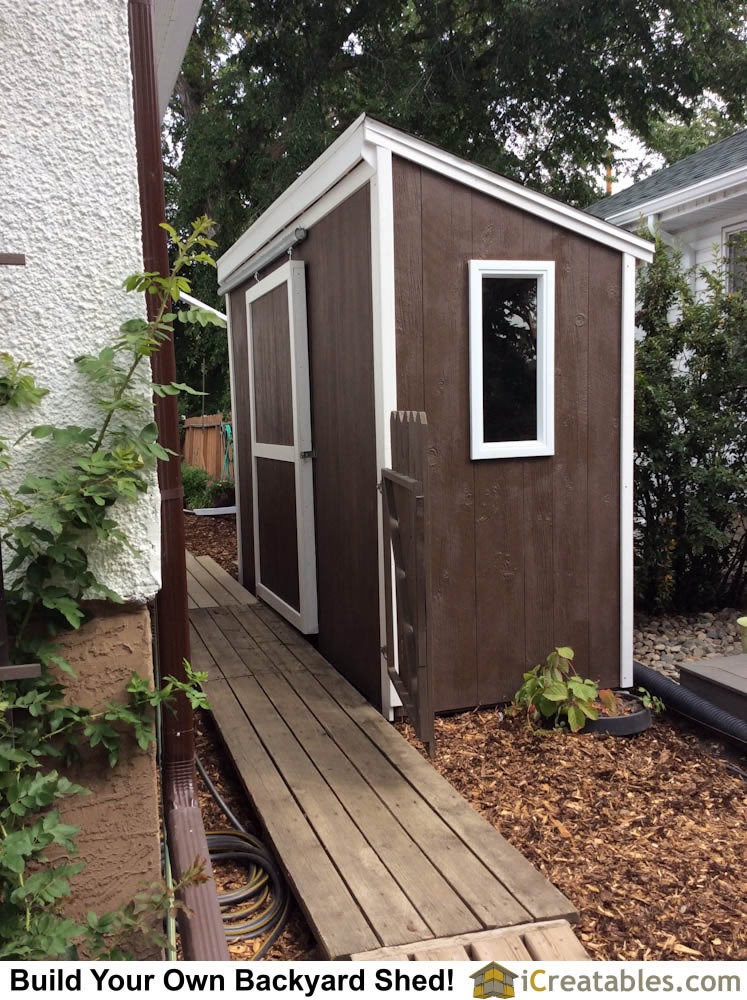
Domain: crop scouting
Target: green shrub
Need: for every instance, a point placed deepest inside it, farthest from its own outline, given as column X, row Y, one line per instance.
column 690, row 438
column 553, row 691
column 196, row 483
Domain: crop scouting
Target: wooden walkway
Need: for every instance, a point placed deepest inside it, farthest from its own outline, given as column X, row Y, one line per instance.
column 380, row 851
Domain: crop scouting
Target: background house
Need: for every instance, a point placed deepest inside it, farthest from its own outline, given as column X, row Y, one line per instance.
column 697, row 203
column 69, row 160
column 403, row 256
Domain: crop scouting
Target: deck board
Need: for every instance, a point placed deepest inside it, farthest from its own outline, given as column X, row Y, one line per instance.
column 721, row 680
column 379, row 849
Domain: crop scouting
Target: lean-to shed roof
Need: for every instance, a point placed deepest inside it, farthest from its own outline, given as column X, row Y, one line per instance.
column 359, row 147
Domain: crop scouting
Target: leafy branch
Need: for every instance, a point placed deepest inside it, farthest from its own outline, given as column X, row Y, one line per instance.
column 48, row 524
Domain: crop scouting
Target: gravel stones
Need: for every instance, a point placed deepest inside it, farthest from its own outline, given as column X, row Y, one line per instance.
column 666, row 641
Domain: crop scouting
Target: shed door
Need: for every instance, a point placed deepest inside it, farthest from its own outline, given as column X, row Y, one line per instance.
column 282, row 480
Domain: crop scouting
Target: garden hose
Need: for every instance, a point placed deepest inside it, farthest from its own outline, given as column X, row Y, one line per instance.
column 247, row 912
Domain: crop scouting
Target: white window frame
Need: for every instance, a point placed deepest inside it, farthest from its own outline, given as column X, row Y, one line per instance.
column 727, row 231
column 544, row 272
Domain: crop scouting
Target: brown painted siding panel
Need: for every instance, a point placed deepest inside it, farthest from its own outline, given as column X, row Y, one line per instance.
column 570, row 462
column 408, row 288
column 604, row 465
column 337, row 253
column 338, row 259
column 500, row 498
column 447, row 246
column 278, row 540
column 272, row 367
column 525, row 551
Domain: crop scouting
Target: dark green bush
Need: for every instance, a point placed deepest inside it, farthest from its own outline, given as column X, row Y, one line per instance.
column 690, row 438
column 196, row 483
column 201, row 490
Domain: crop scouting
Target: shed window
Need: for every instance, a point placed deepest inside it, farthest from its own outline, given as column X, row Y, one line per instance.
column 736, row 255
column 512, row 313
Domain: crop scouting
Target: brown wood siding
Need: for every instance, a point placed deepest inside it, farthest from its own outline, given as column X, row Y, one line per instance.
column 525, row 551
column 272, row 367
column 278, row 541
column 337, row 253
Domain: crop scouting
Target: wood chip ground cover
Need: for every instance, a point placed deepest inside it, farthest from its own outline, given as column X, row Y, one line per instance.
column 646, row 834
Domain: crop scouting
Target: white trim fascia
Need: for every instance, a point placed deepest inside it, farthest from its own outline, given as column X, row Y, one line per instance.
column 358, row 144
column 482, row 179
column 344, row 188
column 627, row 390
column 192, row 301
column 678, row 198
column 172, row 22
column 236, row 475
column 544, row 443
column 385, row 366
column 339, row 158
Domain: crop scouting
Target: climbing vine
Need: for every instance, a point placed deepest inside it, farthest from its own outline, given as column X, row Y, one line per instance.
column 47, row 527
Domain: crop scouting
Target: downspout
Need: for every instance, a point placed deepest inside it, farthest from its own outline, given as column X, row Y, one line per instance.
column 202, row 934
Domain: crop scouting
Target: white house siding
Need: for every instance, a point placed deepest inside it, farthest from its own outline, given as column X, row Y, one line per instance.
column 68, row 180
column 704, row 243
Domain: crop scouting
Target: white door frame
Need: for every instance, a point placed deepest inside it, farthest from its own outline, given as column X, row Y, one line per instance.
column 306, row 617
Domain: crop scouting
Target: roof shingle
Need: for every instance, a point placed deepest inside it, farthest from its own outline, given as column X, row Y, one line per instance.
column 722, row 156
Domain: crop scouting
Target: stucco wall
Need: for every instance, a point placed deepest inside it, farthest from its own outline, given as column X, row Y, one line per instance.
column 70, row 204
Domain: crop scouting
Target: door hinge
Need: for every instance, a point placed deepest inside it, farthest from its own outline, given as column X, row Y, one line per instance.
column 308, row 454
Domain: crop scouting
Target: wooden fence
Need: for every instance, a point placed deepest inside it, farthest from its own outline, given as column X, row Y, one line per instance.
column 207, row 445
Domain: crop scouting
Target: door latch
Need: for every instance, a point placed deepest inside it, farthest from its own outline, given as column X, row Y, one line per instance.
column 308, row 454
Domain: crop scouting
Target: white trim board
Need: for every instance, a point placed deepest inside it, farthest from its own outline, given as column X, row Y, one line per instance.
column 544, row 442
column 358, row 144
column 236, row 470
column 627, row 389
column 336, row 161
column 385, row 367
column 679, row 197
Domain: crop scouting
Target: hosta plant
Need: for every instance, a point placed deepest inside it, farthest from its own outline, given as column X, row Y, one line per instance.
column 554, row 692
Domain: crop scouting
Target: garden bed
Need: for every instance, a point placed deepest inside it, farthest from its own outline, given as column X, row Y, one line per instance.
column 645, row 835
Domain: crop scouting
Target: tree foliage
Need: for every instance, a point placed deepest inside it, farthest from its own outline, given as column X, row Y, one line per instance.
column 531, row 89
column 691, row 438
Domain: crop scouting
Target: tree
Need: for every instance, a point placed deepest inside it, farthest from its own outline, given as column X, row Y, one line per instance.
column 690, row 439
column 530, row 89
column 672, row 139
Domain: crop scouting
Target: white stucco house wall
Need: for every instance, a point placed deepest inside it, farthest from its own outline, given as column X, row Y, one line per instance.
column 697, row 204
column 71, row 208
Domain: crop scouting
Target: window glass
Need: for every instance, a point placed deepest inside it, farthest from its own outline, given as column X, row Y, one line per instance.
column 509, row 340
column 737, row 255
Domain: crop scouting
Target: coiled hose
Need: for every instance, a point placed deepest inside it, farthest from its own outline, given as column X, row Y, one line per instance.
column 246, row 911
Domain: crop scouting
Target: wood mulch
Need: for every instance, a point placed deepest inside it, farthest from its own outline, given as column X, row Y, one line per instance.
column 645, row 834
column 296, row 943
column 213, row 536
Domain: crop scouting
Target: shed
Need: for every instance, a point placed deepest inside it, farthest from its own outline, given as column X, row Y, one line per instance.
column 392, row 275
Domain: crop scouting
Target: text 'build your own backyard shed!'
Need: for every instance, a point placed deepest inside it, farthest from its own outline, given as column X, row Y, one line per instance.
column 395, row 276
